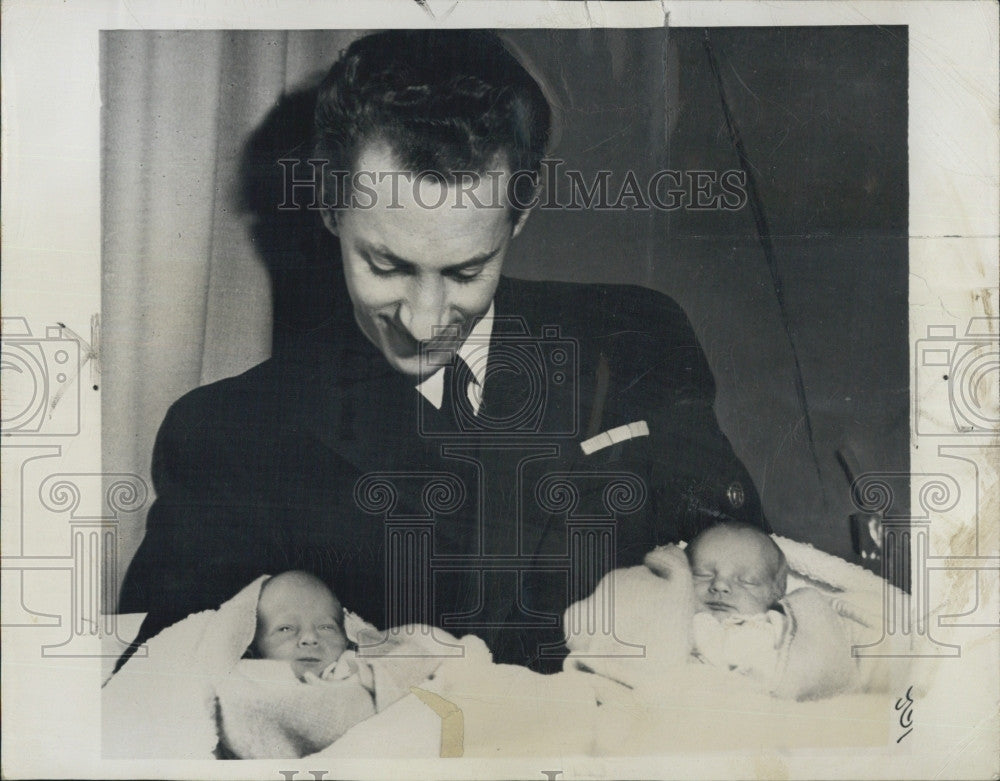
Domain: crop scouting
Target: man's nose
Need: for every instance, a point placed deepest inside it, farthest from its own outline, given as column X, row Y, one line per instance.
column 424, row 310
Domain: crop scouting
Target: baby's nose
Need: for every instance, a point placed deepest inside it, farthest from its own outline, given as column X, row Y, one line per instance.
column 308, row 638
column 719, row 585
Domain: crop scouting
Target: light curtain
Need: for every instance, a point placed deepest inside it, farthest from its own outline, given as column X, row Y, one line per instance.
column 184, row 290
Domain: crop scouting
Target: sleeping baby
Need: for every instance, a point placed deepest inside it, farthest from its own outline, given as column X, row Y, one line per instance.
column 739, row 576
column 737, row 570
column 722, row 604
column 788, row 645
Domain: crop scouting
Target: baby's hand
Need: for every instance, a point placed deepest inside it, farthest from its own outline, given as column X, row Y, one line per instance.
column 310, row 677
column 666, row 561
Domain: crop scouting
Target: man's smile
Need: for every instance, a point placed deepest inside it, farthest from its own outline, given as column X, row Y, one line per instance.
column 404, row 345
column 402, row 341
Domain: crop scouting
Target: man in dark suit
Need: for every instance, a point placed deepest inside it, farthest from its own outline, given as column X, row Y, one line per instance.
column 453, row 447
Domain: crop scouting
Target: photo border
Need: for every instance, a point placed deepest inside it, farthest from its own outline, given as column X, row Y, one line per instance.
column 52, row 247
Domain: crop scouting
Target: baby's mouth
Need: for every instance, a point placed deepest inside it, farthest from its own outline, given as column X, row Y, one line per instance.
column 719, row 606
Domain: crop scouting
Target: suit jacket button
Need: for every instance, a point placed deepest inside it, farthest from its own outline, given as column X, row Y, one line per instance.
column 736, row 495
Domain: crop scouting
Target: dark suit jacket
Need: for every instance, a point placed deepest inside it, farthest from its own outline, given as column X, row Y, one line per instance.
column 324, row 458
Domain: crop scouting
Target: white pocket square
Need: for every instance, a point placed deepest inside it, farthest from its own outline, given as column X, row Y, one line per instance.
column 612, row 436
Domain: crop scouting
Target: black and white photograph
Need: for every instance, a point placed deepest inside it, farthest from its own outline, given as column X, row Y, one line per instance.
column 562, row 391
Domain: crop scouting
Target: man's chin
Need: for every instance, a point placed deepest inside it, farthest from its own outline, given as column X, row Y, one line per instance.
column 416, row 365
column 410, row 357
column 412, row 367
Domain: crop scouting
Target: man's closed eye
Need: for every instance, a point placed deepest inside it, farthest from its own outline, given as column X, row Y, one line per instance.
column 382, row 268
column 466, row 273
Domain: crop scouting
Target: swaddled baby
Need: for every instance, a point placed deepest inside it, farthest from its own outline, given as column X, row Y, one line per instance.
column 720, row 603
column 288, row 697
column 789, row 645
column 301, row 622
column 300, row 687
column 739, row 576
column 266, row 675
column 737, row 570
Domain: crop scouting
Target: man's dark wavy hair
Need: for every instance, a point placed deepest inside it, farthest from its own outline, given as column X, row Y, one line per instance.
column 443, row 100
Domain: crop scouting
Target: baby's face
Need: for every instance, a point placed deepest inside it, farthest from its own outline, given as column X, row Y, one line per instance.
column 300, row 621
column 734, row 573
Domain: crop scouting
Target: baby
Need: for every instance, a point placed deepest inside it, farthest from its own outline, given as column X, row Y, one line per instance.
column 298, row 688
column 791, row 645
column 739, row 575
column 720, row 603
column 301, row 622
column 737, row 569
column 301, row 687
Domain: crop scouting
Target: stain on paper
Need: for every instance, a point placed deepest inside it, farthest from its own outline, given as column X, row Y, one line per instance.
column 452, row 721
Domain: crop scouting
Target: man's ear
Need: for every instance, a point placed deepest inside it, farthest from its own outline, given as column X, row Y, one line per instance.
column 330, row 221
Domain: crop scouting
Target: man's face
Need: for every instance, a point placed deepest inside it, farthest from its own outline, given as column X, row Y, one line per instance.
column 414, row 267
column 734, row 573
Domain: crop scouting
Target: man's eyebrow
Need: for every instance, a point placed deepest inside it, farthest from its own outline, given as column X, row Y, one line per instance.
column 384, row 252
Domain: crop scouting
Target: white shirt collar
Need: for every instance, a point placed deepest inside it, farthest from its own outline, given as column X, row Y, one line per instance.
column 475, row 351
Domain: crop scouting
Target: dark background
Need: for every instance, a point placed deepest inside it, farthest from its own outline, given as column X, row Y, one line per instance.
column 822, row 114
